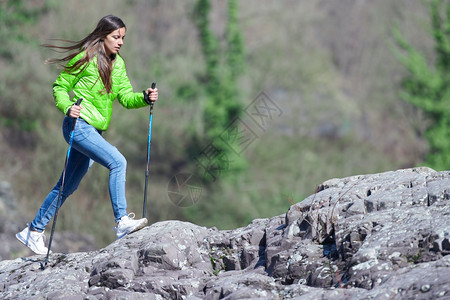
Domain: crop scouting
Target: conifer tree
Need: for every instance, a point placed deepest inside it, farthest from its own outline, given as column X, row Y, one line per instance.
column 223, row 105
column 427, row 87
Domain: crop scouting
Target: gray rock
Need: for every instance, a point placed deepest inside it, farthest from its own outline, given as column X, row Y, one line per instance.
column 378, row 236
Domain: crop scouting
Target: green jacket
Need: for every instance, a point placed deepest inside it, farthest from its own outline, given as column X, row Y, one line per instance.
column 97, row 107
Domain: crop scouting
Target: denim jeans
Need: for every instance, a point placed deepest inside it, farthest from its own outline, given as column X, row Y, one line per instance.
column 88, row 146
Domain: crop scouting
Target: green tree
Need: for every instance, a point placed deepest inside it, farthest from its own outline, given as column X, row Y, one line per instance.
column 220, row 82
column 428, row 87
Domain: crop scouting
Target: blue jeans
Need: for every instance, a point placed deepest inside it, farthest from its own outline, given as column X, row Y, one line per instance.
column 88, row 146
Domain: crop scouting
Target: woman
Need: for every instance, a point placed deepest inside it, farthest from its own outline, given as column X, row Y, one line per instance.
column 96, row 73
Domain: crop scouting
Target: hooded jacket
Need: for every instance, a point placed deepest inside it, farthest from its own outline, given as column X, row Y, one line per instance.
column 97, row 104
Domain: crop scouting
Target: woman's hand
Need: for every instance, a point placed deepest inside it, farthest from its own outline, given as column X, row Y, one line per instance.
column 152, row 94
column 74, row 111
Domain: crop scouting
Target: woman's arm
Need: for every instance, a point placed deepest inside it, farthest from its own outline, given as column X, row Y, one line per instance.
column 61, row 88
column 125, row 94
column 63, row 85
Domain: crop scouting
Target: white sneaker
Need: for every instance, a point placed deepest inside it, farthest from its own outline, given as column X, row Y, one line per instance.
column 127, row 225
column 33, row 240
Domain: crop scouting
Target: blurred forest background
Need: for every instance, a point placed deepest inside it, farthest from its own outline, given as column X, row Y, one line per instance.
column 332, row 68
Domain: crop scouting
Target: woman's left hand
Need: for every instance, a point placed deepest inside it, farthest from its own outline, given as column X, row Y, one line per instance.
column 152, row 94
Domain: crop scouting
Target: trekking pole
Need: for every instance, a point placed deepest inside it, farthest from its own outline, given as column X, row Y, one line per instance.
column 61, row 188
column 148, row 153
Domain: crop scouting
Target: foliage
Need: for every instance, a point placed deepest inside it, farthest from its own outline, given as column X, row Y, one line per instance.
column 19, row 84
column 293, row 50
column 428, row 87
column 223, row 104
column 14, row 15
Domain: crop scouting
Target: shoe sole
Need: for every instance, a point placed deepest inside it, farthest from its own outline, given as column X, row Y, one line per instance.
column 24, row 242
column 138, row 227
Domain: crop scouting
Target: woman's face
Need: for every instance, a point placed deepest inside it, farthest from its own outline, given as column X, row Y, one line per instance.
column 114, row 41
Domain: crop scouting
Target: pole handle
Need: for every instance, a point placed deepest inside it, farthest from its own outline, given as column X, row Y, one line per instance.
column 152, row 102
column 147, row 96
column 75, row 119
column 79, row 101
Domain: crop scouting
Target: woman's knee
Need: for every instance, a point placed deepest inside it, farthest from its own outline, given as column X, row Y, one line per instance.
column 120, row 162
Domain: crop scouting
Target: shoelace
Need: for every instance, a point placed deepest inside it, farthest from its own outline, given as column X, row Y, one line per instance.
column 130, row 215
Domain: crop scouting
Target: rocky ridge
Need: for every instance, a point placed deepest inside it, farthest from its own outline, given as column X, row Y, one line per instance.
column 377, row 236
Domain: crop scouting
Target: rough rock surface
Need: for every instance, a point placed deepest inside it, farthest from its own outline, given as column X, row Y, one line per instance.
column 379, row 236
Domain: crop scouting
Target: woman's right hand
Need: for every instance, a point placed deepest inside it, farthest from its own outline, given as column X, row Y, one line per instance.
column 74, row 111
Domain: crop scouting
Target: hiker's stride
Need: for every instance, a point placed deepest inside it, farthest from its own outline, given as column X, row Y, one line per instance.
column 95, row 71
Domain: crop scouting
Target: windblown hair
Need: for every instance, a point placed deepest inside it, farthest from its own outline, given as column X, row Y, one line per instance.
column 93, row 45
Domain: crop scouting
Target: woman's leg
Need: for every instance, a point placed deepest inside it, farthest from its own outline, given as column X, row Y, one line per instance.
column 88, row 146
column 94, row 146
column 77, row 166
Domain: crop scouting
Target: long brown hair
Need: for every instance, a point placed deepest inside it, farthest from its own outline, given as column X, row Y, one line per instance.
column 93, row 45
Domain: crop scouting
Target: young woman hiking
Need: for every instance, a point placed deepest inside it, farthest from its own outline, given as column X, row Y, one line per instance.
column 95, row 72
